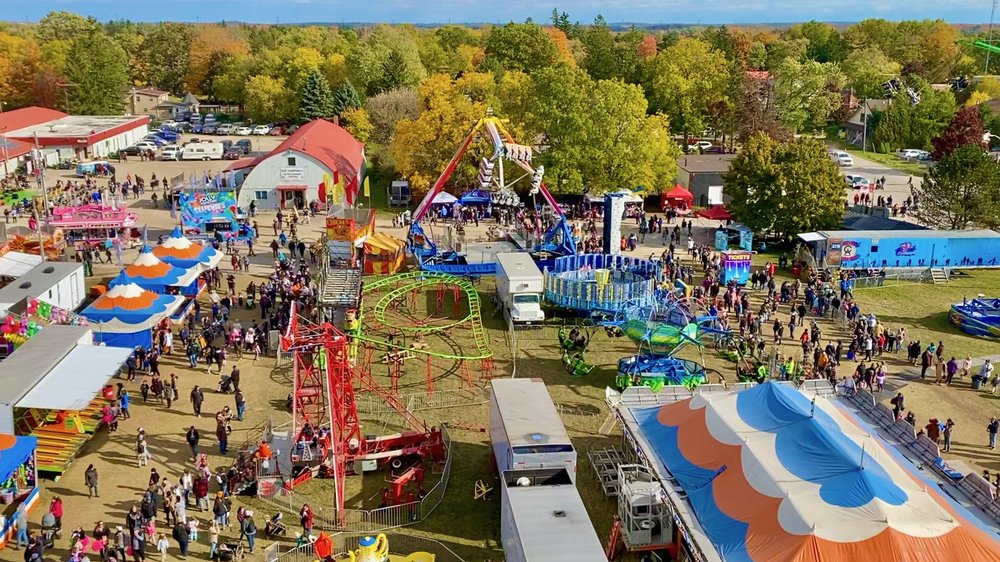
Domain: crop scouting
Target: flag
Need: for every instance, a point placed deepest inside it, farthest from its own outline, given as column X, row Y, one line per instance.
column 325, row 188
column 339, row 190
column 368, row 190
column 194, row 183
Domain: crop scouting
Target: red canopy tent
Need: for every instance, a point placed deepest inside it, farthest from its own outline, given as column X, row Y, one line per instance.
column 678, row 198
column 716, row 213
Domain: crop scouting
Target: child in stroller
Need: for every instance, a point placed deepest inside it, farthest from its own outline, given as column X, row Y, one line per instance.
column 229, row 551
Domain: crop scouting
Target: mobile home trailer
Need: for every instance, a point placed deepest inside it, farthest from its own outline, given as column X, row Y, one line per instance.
column 525, row 428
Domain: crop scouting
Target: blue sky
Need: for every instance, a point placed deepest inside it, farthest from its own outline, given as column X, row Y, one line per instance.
column 440, row 11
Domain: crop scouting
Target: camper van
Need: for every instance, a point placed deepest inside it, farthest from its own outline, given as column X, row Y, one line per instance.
column 203, row 151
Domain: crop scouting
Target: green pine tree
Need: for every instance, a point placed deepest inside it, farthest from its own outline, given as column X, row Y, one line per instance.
column 346, row 97
column 316, row 100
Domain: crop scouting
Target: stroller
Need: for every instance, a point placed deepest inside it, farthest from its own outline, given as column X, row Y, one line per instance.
column 274, row 527
column 225, row 385
column 229, row 551
column 49, row 530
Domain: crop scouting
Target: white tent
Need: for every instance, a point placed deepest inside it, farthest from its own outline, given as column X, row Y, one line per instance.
column 627, row 196
column 444, row 198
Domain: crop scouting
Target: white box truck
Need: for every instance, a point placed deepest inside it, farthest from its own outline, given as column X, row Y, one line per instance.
column 203, row 151
column 519, row 287
column 543, row 519
column 525, row 428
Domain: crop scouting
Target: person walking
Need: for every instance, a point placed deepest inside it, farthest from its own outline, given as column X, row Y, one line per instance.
column 141, row 449
column 992, row 428
column 192, row 437
column 234, row 377
column 90, row 478
column 180, row 533
column 21, row 521
column 138, row 544
column 213, row 539
column 223, row 436
column 197, row 398
column 306, row 518
column 241, row 405
column 56, row 509
column 949, row 425
column 248, row 529
column 161, row 546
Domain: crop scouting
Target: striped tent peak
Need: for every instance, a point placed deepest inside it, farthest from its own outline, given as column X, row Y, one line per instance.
column 148, row 266
column 126, row 297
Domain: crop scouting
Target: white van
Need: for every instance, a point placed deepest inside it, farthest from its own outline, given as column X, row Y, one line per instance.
column 203, row 151
column 842, row 158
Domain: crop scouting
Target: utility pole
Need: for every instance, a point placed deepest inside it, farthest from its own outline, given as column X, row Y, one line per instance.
column 989, row 39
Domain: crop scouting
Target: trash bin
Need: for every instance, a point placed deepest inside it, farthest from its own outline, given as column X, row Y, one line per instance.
column 977, row 382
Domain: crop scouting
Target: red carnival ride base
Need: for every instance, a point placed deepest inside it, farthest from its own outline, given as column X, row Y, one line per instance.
column 328, row 437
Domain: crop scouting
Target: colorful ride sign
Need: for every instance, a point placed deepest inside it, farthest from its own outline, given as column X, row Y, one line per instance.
column 198, row 209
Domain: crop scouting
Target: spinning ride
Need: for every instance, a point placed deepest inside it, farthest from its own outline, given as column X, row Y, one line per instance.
column 979, row 317
column 454, row 257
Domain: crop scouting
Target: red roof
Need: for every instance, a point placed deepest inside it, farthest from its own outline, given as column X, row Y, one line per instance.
column 334, row 147
column 27, row 117
column 10, row 148
column 243, row 163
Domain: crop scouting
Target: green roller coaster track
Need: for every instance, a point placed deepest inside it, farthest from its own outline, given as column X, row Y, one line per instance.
column 420, row 280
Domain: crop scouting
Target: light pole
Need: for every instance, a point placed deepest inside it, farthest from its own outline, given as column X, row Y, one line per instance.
column 3, row 144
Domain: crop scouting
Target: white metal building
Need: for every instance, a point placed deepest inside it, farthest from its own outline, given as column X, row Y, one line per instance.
column 297, row 170
column 64, row 137
column 57, row 283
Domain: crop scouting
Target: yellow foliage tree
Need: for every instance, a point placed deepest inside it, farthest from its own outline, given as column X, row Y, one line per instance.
column 422, row 147
column 977, row 98
column 18, row 65
column 466, row 58
column 989, row 86
column 335, row 70
column 209, row 40
column 358, row 123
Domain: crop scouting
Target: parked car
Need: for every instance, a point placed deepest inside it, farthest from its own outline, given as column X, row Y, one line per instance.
column 132, row 150
column 148, row 145
column 291, row 129
column 699, row 145
column 167, row 135
column 209, row 128
column 276, row 131
column 169, row 123
column 261, row 130
column 226, row 143
column 224, row 129
column 155, row 140
column 233, row 153
column 243, row 131
column 170, row 152
column 914, row 154
column 841, row 158
column 244, row 145
column 857, row 182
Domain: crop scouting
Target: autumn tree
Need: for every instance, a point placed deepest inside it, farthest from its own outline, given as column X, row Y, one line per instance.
column 755, row 110
column 387, row 109
column 211, row 44
column 825, row 43
column 99, row 75
column 269, row 99
column 385, row 58
column 519, row 46
column 421, row 147
column 961, row 191
column 807, row 93
column 355, row 120
column 18, row 66
column 685, row 80
column 647, row 47
column 867, row 69
column 965, row 128
column 168, row 54
column 786, row 188
column 316, row 99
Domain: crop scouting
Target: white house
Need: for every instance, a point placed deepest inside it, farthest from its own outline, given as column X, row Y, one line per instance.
column 297, row 171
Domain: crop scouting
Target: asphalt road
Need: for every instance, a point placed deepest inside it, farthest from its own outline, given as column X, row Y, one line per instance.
column 896, row 181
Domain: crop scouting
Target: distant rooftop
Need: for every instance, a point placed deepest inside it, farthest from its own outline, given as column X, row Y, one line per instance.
column 80, row 126
column 705, row 163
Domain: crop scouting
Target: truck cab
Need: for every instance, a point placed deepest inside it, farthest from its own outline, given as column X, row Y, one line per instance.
column 519, row 288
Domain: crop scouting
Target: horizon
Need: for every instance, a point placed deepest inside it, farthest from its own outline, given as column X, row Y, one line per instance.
column 479, row 12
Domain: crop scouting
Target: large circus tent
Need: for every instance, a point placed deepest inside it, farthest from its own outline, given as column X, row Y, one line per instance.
column 180, row 251
column 126, row 315
column 771, row 474
column 149, row 272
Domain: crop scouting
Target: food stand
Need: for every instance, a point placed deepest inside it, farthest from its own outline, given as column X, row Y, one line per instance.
column 18, row 480
column 94, row 223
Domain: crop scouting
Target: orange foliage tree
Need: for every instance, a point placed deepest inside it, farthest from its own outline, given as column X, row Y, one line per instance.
column 208, row 41
column 562, row 45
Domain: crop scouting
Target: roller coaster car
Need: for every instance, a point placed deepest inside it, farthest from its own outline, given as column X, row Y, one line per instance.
column 575, row 365
column 574, row 340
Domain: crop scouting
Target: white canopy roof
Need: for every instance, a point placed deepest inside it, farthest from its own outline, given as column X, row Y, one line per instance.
column 811, row 236
column 16, row 264
column 444, row 198
column 68, row 387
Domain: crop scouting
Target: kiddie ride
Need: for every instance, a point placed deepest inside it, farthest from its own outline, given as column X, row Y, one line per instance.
column 459, row 258
column 326, row 432
column 574, row 343
column 376, row 549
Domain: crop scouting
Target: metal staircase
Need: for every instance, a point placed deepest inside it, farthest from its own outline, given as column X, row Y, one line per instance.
column 939, row 275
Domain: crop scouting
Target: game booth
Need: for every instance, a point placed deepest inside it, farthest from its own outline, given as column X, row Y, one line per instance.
column 679, row 199
column 126, row 315
column 48, row 396
column 149, row 272
column 214, row 214
column 93, row 223
column 178, row 250
column 18, row 480
column 384, row 254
